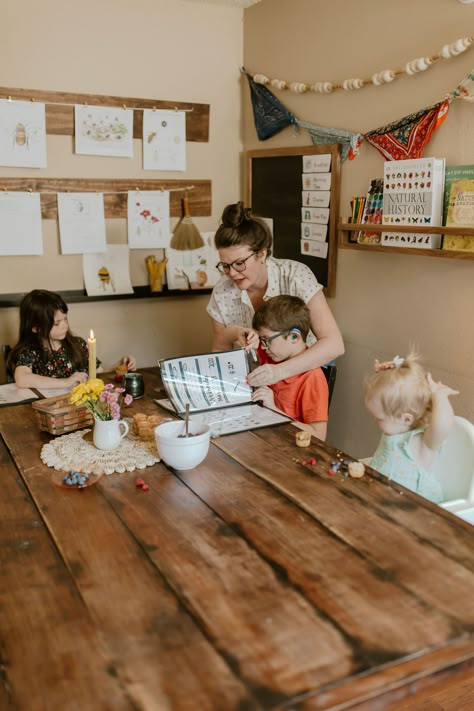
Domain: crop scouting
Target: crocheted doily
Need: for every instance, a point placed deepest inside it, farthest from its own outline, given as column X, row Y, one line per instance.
column 77, row 452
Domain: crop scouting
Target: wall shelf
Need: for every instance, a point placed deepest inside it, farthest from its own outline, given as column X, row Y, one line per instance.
column 199, row 192
column 60, row 110
column 345, row 228
column 139, row 292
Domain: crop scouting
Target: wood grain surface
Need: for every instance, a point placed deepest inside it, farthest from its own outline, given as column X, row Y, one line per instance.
column 254, row 581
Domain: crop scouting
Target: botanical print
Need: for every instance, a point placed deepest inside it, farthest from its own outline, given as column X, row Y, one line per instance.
column 103, row 131
column 22, row 134
column 107, row 273
column 164, row 140
column 148, row 219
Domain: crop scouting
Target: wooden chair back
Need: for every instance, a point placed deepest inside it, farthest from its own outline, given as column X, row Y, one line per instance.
column 330, row 371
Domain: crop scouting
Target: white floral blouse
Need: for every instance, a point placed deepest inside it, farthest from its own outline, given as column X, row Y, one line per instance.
column 229, row 305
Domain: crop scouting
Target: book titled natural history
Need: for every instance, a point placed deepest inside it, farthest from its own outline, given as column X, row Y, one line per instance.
column 413, row 195
column 460, row 213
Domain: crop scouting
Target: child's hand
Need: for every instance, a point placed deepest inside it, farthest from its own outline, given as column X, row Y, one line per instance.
column 76, row 379
column 248, row 338
column 265, row 396
column 438, row 389
column 130, row 362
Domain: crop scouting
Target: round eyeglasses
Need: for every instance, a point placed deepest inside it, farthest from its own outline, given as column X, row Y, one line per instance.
column 238, row 265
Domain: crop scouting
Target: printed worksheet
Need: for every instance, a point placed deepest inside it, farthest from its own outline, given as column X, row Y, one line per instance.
column 103, row 131
column 164, row 140
column 81, row 222
column 22, row 134
column 10, row 394
column 20, row 224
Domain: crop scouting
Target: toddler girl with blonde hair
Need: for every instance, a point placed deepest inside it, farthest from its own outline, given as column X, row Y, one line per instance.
column 415, row 416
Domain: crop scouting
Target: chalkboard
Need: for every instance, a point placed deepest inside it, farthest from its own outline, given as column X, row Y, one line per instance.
column 275, row 190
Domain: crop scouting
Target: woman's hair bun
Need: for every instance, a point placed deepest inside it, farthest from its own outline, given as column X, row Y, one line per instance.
column 235, row 214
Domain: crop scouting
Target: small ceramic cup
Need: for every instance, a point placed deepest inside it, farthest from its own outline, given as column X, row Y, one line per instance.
column 134, row 385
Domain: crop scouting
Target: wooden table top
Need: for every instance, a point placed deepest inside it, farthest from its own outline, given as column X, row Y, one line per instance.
column 251, row 582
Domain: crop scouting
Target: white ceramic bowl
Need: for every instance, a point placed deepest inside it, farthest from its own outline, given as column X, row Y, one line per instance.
column 182, row 452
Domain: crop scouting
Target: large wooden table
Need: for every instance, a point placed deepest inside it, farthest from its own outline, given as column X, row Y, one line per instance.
column 251, row 582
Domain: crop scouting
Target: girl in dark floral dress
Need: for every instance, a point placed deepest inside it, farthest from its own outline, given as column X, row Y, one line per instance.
column 47, row 354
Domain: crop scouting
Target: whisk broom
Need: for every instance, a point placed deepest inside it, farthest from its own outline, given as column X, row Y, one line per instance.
column 186, row 235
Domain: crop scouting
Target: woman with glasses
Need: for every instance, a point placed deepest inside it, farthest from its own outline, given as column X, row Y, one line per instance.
column 250, row 277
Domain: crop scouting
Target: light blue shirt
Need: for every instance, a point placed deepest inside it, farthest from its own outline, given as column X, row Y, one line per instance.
column 393, row 458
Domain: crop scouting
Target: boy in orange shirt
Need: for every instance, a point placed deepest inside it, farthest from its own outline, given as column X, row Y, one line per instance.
column 282, row 324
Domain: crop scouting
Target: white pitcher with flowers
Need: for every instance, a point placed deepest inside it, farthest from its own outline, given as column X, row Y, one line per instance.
column 104, row 402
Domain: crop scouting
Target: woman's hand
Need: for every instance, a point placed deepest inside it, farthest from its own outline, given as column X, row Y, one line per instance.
column 265, row 396
column 265, row 375
column 73, row 380
column 247, row 338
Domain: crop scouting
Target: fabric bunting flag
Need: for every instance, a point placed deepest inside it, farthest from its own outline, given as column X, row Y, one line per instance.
column 465, row 90
column 408, row 137
column 269, row 114
column 348, row 140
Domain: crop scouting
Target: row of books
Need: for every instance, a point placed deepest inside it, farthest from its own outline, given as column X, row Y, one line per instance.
column 418, row 192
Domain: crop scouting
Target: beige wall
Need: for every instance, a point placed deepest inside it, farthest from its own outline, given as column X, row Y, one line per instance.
column 383, row 302
column 163, row 49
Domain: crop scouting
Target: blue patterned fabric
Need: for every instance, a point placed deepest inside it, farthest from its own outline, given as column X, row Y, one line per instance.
column 269, row 114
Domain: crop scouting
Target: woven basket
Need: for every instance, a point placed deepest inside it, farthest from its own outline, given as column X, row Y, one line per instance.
column 57, row 416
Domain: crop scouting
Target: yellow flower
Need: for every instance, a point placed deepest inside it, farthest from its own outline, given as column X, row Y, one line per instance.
column 87, row 392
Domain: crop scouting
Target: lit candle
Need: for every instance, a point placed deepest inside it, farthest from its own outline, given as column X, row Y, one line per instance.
column 92, row 345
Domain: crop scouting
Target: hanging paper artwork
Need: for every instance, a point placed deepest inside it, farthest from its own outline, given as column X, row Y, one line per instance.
column 269, row 114
column 20, row 223
column 164, row 140
column 408, row 137
column 193, row 268
column 22, row 134
column 348, row 140
column 81, row 222
column 148, row 219
column 103, row 131
column 107, row 273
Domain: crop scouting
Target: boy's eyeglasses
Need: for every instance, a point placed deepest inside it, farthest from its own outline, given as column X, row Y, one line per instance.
column 239, row 265
column 265, row 340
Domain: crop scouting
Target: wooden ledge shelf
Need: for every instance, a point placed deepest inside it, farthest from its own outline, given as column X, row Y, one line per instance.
column 60, row 110
column 115, row 192
column 346, row 227
column 139, row 292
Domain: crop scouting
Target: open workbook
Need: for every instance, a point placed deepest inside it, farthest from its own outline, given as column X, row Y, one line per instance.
column 215, row 386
